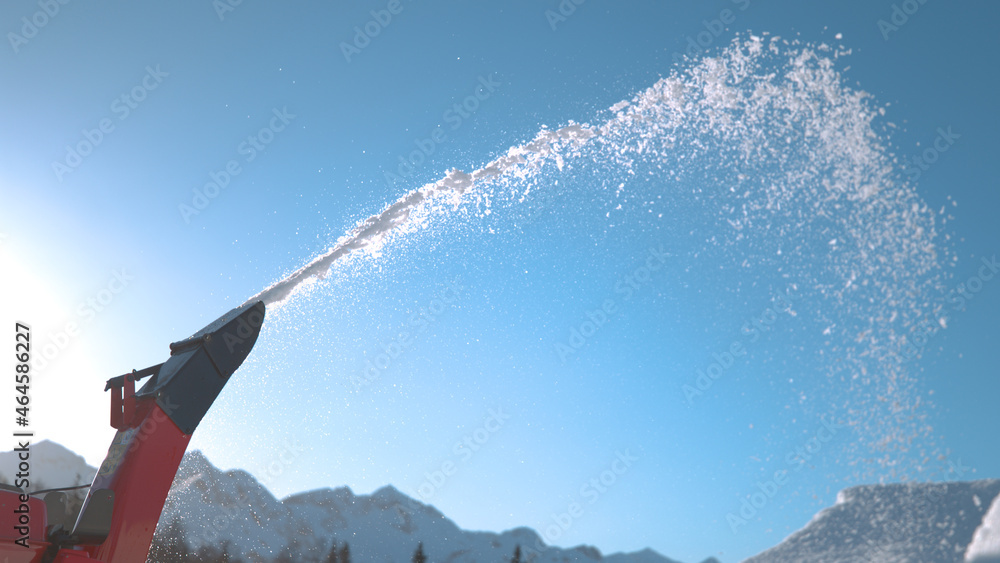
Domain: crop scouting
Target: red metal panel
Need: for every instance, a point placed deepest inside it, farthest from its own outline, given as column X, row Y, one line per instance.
column 140, row 467
column 12, row 509
column 73, row 556
column 10, row 552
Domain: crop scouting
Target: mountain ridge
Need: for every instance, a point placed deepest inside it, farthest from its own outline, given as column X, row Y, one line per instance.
column 946, row 522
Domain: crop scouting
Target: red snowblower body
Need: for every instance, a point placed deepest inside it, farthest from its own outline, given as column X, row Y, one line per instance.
column 118, row 517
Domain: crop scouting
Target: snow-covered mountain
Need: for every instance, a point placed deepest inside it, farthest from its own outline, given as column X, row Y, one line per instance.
column 985, row 546
column 919, row 523
column 51, row 466
column 212, row 507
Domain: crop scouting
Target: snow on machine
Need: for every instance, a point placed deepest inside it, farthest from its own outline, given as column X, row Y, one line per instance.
column 118, row 517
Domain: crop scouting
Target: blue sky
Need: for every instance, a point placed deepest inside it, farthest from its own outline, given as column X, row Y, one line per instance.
column 106, row 245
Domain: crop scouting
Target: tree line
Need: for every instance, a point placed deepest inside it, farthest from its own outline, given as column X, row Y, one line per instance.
column 170, row 547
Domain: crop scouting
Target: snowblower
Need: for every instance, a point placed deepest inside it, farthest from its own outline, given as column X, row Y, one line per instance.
column 118, row 517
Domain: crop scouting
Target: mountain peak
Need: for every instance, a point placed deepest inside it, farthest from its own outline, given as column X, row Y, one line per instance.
column 49, row 448
column 893, row 522
column 391, row 495
column 902, row 521
column 321, row 497
column 385, row 525
column 53, row 465
column 644, row 556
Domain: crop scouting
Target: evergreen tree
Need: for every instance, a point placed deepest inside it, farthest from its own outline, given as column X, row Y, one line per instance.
column 418, row 555
column 224, row 556
column 168, row 545
column 207, row 553
column 517, row 555
column 76, row 499
column 333, row 556
column 345, row 553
